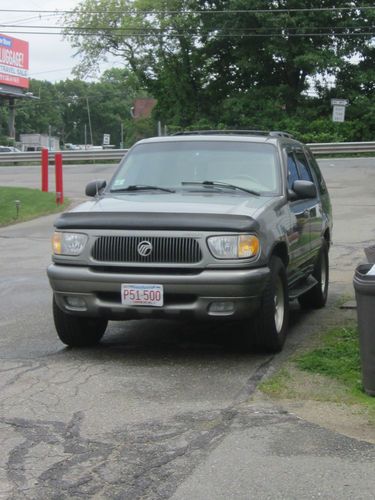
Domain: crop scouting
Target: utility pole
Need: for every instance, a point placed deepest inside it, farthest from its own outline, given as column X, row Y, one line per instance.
column 122, row 136
column 12, row 118
column 49, row 137
column 89, row 117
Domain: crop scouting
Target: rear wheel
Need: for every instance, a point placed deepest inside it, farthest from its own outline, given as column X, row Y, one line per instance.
column 317, row 296
column 272, row 318
column 77, row 331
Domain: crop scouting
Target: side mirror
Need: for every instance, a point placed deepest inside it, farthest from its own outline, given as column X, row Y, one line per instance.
column 304, row 189
column 94, row 188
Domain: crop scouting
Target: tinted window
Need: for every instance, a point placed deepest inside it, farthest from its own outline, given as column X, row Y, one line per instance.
column 292, row 170
column 303, row 166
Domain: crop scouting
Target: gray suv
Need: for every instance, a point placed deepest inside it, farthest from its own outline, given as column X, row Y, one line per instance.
column 201, row 225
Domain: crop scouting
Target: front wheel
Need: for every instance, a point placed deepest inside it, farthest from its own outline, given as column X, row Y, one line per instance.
column 272, row 318
column 317, row 296
column 77, row 331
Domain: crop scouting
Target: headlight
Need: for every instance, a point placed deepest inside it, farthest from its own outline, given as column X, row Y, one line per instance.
column 242, row 246
column 68, row 243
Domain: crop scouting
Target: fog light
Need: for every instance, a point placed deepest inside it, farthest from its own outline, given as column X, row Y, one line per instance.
column 76, row 302
column 221, row 308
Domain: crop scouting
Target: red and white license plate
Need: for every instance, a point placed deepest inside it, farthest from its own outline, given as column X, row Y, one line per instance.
column 142, row 295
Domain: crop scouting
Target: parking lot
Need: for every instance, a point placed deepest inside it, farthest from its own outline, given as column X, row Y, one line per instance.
column 142, row 415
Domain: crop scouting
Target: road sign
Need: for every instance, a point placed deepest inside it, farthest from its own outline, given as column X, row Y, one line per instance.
column 339, row 102
column 338, row 114
column 106, row 139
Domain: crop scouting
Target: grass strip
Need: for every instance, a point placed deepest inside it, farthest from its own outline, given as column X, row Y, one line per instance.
column 32, row 203
column 338, row 358
column 337, row 364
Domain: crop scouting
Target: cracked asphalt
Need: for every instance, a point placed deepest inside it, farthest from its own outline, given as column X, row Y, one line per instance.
column 163, row 410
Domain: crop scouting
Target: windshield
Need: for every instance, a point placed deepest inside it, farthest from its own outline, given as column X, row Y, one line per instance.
column 183, row 165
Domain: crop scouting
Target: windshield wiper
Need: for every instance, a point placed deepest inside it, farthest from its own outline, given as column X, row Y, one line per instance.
column 219, row 184
column 142, row 187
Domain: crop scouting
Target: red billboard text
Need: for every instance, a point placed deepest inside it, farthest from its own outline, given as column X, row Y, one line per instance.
column 14, row 62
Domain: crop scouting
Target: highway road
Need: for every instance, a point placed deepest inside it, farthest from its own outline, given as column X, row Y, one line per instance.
column 164, row 410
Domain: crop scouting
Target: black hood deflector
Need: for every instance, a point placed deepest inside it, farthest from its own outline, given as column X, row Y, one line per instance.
column 156, row 221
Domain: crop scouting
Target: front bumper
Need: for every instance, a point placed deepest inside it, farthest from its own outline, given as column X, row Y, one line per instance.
column 187, row 296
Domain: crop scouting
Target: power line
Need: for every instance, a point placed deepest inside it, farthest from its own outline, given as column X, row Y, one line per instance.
column 196, row 35
column 49, row 71
column 26, row 19
column 156, row 30
column 203, row 11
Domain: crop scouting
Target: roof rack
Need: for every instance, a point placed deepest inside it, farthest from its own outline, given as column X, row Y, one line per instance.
column 264, row 133
column 280, row 133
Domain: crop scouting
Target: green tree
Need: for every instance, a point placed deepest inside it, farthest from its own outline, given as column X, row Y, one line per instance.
column 151, row 40
column 43, row 114
column 69, row 108
column 110, row 101
column 279, row 54
column 200, row 58
column 357, row 84
column 3, row 122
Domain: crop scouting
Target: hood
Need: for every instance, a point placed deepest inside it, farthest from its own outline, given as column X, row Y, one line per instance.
column 201, row 203
column 168, row 211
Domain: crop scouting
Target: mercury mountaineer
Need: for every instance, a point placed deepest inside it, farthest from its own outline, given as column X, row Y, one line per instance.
column 227, row 225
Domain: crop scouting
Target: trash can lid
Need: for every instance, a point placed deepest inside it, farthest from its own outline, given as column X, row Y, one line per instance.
column 364, row 279
column 366, row 270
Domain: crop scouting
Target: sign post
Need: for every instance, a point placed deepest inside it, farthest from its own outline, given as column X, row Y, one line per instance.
column 45, row 170
column 59, row 179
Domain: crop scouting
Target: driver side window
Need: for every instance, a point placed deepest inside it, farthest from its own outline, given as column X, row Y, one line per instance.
column 298, row 167
column 303, row 166
column 292, row 170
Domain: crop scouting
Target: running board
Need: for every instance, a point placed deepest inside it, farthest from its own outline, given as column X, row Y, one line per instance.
column 298, row 290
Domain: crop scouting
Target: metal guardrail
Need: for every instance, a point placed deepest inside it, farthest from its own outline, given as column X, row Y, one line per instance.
column 68, row 156
column 342, row 147
column 117, row 154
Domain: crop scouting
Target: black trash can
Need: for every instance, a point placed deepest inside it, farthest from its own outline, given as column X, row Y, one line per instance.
column 364, row 285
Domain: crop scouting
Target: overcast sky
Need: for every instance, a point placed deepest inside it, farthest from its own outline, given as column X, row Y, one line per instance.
column 51, row 58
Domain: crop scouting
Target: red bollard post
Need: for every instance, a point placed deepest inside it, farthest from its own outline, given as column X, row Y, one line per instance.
column 44, row 159
column 59, row 179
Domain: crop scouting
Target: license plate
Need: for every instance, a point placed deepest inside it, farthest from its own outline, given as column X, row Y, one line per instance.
column 142, row 295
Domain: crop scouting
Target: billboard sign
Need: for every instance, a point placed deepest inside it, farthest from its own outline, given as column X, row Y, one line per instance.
column 14, row 62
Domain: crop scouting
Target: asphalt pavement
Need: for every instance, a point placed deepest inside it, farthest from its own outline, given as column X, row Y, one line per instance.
column 164, row 410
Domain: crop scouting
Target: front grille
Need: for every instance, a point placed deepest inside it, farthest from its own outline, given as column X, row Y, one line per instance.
column 165, row 271
column 165, row 250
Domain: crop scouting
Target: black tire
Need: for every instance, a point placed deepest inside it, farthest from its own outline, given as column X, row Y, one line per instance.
column 272, row 318
column 316, row 297
column 77, row 331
